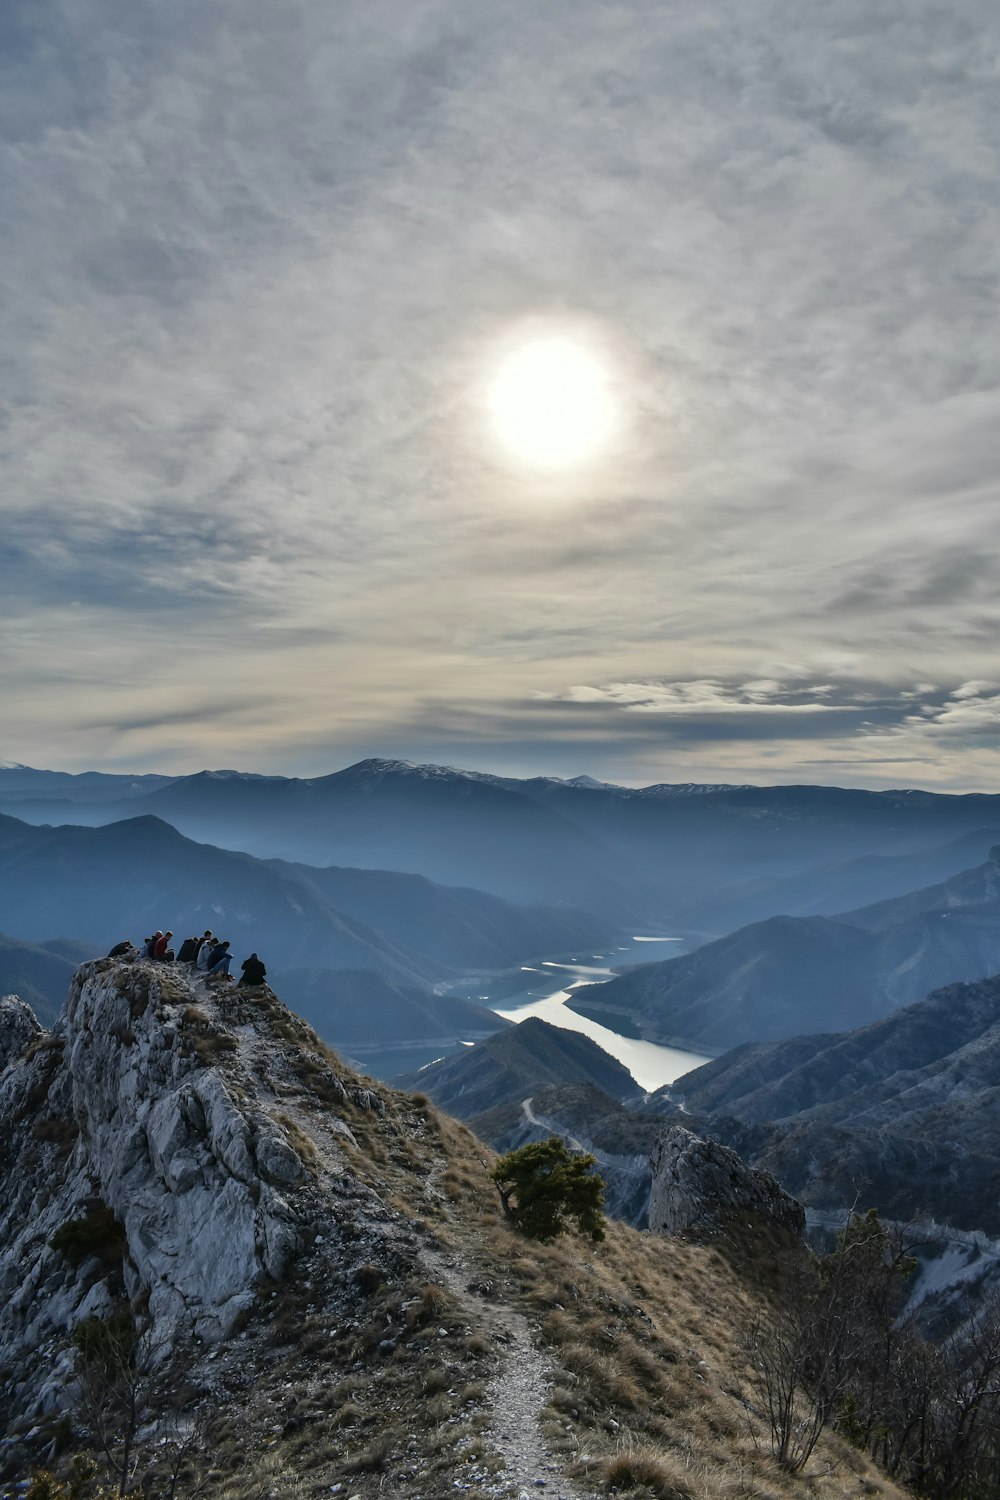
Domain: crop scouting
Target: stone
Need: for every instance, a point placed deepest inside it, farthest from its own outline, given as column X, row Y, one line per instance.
column 187, row 1167
column 702, row 1186
column 18, row 1029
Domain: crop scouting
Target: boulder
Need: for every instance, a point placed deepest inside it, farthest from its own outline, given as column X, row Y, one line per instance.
column 702, row 1187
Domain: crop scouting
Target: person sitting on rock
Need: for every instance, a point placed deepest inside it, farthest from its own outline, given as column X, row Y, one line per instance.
column 254, row 972
column 150, row 944
column 219, row 959
column 205, row 945
column 122, row 950
column 161, row 945
column 188, row 951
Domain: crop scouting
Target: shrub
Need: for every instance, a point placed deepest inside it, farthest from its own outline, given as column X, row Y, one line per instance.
column 542, row 1186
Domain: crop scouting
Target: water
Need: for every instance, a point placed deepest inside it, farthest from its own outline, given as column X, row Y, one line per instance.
column 548, row 986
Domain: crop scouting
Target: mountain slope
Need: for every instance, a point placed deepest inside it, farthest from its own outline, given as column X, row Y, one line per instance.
column 909, row 1107
column 830, row 889
column 457, row 926
column 516, row 1062
column 127, row 879
column 328, row 1280
column 39, row 972
column 360, row 1011
column 797, row 974
column 131, row 877
column 452, row 828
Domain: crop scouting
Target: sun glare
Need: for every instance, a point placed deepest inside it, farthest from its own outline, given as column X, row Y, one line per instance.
column 551, row 404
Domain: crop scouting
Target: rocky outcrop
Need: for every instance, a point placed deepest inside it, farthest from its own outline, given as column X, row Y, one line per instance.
column 18, row 1029
column 703, row 1187
column 137, row 1170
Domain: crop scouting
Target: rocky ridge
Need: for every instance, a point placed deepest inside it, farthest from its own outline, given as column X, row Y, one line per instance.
column 323, row 1294
column 701, row 1187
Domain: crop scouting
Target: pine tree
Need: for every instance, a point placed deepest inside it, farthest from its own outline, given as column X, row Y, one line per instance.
column 542, row 1187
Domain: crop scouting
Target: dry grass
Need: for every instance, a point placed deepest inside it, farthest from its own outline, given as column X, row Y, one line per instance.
column 301, row 1143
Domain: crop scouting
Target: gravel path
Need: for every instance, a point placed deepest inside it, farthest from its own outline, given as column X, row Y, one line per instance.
column 516, row 1394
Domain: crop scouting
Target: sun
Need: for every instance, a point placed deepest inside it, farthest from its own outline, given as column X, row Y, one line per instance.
column 551, row 403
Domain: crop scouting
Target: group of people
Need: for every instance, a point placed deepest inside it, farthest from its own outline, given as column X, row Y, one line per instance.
column 206, row 955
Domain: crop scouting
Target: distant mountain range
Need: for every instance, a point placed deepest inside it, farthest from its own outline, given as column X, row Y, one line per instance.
column 906, row 1111
column 789, row 975
column 691, row 857
column 514, row 1064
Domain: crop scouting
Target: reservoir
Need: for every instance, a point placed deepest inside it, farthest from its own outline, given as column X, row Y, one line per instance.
column 548, row 986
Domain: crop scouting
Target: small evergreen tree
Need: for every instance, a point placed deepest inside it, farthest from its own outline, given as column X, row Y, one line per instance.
column 542, row 1186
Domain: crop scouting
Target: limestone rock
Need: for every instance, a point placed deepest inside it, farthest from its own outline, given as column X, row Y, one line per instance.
column 140, row 1124
column 702, row 1186
column 18, row 1029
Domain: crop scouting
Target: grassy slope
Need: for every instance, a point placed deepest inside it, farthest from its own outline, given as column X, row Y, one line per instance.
column 640, row 1335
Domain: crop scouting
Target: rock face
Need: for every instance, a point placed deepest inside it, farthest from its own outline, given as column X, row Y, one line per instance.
column 18, row 1028
column 702, row 1187
column 134, row 1171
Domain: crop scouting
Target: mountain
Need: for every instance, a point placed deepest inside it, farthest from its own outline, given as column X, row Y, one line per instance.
column 832, row 888
column 456, row 926
column 687, row 856
column 303, row 1283
column 343, row 1005
column 127, row 879
column 134, row 876
column 514, row 1064
column 39, row 972
column 453, row 828
column 788, row 975
column 907, row 1109
column 23, row 783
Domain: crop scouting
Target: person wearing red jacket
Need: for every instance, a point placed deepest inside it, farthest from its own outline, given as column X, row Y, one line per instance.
column 162, row 944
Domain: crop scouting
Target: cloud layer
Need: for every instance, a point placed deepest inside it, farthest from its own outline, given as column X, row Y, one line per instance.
column 260, row 263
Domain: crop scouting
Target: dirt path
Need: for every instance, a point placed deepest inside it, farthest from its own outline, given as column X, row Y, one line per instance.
column 517, row 1392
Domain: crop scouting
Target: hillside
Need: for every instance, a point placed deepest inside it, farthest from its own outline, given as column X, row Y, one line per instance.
column 791, row 975
column 457, row 926
column 516, row 1062
column 342, row 1006
column 129, row 878
column 829, row 889
column 39, row 972
column 909, row 1106
column 351, row 1305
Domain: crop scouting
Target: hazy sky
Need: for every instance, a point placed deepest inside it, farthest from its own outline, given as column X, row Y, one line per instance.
column 259, row 265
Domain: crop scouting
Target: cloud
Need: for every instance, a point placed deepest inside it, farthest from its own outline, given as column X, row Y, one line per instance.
column 258, row 262
column 701, row 697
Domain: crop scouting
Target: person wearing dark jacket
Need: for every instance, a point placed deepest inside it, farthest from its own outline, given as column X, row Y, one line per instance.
column 219, row 959
column 254, row 972
column 188, row 951
column 120, row 950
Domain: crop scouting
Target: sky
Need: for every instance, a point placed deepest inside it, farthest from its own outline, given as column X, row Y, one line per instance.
column 260, row 266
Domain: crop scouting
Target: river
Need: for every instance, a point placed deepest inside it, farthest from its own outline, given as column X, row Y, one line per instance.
column 548, row 985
